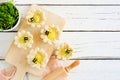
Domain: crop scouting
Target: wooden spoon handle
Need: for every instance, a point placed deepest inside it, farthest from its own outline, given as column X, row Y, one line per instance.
column 19, row 75
column 71, row 66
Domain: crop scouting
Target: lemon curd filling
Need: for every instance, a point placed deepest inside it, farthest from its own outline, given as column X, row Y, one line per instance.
column 24, row 39
column 64, row 51
column 51, row 33
column 37, row 18
column 38, row 58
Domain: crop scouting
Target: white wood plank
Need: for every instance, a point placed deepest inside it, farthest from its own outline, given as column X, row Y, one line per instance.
column 85, row 44
column 96, row 70
column 67, row 1
column 93, row 43
column 85, row 17
column 4, row 65
column 93, row 70
column 5, row 42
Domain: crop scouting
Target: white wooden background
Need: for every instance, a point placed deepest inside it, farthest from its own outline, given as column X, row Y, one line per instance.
column 93, row 29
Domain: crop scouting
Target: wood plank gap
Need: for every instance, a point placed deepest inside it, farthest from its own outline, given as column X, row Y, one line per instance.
column 27, row 76
column 70, row 4
column 96, row 58
column 90, row 58
column 8, row 31
column 91, row 30
column 74, row 31
column 2, row 59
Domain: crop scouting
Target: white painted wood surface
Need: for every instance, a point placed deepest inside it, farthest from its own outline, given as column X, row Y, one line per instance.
column 86, row 17
column 85, row 44
column 93, row 29
column 67, row 1
column 88, row 70
column 93, row 70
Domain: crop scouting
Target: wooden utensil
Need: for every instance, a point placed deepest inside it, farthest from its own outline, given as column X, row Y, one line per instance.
column 18, row 56
column 61, row 72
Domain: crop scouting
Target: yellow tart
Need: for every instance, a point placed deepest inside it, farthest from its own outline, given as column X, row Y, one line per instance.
column 37, row 58
column 23, row 39
column 50, row 34
column 35, row 18
column 64, row 51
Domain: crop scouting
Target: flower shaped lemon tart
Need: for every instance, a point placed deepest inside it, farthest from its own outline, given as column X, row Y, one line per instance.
column 50, row 34
column 35, row 18
column 37, row 58
column 24, row 39
column 64, row 51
